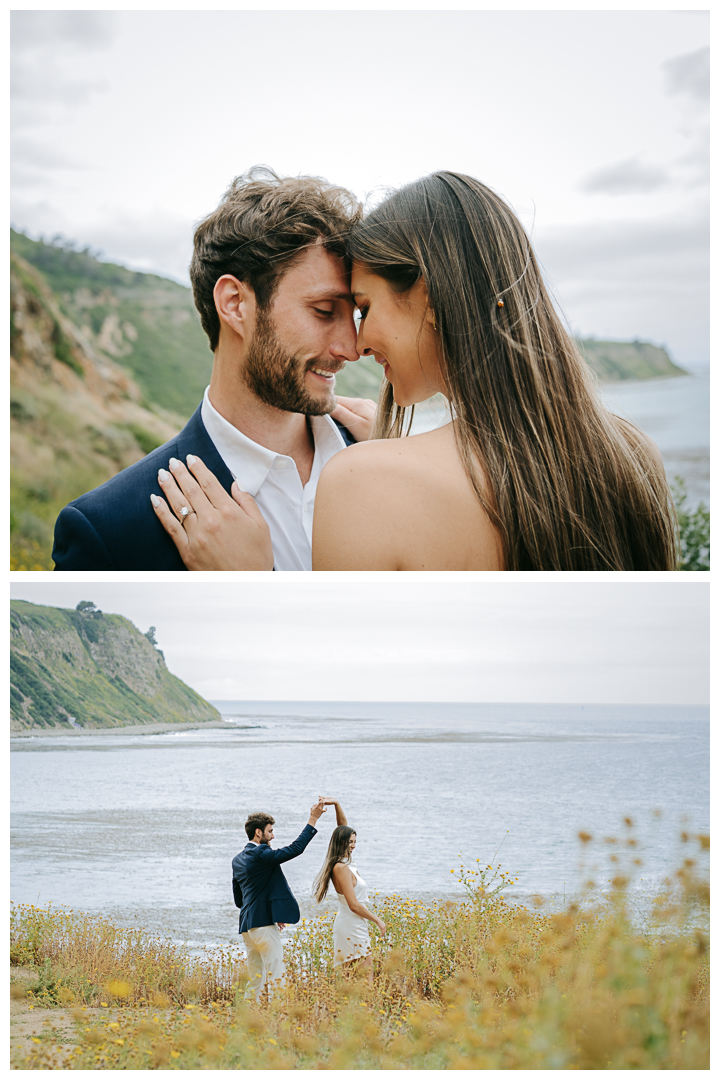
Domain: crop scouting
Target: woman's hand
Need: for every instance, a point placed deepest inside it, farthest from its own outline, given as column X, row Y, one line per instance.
column 381, row 927
column 357, row 415
column 215, row 531
column 340, row 818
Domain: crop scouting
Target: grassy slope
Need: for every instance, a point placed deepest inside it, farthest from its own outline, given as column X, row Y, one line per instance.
column 615, row 361
column 76, row 416
column 145, row 322
column 61, row 678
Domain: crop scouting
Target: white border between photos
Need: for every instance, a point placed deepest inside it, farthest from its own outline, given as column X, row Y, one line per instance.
column 425, row 576
column 373, row 5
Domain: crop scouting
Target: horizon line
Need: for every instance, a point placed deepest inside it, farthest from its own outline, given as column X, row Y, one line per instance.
column 426, row 701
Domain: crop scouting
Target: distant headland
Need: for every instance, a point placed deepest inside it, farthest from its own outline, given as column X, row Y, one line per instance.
column 84, row 670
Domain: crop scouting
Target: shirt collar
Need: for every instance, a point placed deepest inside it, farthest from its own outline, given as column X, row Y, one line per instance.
column 248, row 461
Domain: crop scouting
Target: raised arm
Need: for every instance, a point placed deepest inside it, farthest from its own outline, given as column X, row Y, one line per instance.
column 340, row 818
column 284, row 854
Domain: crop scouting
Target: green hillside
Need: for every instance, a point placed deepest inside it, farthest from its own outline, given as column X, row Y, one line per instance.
column 617, row 361
column 94, row 669
column 76, row 417
column 146, row 323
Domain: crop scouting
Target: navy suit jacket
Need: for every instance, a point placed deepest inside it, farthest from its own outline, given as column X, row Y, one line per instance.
column 259, row 886
column 114, row 527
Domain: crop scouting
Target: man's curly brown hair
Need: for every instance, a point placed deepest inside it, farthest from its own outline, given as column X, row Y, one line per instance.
column 257, row 821
column 262, row 224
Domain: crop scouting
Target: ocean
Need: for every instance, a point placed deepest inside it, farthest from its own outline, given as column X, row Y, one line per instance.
column 676, row 414
column 142, row 828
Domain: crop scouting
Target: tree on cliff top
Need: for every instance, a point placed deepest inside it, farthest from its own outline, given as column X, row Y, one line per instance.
column 86, row 607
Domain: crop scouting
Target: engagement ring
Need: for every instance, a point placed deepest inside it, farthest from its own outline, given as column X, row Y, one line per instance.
column 184, row 511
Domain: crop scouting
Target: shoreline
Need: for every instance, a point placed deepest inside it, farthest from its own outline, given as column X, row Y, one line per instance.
column 131, row 729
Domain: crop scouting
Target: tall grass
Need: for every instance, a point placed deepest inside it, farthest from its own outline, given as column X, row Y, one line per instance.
column 475, row 984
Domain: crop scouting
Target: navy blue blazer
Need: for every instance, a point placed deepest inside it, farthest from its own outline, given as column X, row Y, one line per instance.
column 259, row 886
column 114, row 527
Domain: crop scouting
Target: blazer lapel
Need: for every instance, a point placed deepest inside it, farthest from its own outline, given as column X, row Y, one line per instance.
column 194, row 439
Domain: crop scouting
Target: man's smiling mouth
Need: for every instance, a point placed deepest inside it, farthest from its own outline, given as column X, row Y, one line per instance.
column 324, row 373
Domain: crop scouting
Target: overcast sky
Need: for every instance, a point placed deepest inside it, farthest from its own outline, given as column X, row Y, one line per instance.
column 399, row 639
column 129, row 125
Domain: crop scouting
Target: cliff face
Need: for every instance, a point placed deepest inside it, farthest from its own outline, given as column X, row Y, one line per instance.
column 76, row 416
column 96, row 668
column 144, row 323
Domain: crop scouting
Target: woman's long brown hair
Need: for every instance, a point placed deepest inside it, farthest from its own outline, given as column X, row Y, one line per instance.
column 337, row 852
column 568, row 485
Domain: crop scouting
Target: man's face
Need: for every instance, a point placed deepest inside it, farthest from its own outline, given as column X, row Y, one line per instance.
column 305, row 337
column 267, row 834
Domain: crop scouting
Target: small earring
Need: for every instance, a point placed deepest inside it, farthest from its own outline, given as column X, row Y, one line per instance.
column 501, row 303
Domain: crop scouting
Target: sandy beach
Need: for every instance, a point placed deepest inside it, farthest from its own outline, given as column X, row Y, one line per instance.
column 126, row 729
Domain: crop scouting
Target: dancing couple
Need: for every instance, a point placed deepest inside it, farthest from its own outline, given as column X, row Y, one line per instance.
column 267, row 904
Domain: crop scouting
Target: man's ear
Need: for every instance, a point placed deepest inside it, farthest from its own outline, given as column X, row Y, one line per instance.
column 235, row 304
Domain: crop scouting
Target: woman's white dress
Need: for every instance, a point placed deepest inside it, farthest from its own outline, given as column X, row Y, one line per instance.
column 351, row 933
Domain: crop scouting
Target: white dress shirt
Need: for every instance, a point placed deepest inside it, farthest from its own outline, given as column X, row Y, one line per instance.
column 274, row 482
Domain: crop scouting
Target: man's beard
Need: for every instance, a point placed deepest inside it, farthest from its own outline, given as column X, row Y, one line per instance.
column 277, row 377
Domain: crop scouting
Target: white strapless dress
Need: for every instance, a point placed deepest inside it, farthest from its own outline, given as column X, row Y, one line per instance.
column 351, row 933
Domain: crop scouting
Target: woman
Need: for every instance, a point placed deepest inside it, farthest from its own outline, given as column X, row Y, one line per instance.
column 351, row 936
column 532, row 472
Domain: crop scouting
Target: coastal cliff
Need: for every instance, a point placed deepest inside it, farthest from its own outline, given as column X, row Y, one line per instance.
column 77, row 417
column 622, row 361
column 86, row 669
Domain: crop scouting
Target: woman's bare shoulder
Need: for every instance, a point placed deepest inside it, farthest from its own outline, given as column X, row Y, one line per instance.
column 341, row 872
column 400, row 504
column 383, row 476
column 409, row 452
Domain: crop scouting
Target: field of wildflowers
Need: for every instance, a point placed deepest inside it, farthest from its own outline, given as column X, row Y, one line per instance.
column 476, row 984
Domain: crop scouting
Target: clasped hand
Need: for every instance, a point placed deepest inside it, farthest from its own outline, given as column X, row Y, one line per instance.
column 211, row 529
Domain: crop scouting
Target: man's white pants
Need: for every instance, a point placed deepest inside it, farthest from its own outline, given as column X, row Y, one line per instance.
column 265, row 960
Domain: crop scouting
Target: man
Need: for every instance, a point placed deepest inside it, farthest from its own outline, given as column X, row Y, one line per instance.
column 270, row 281
column 264, row 898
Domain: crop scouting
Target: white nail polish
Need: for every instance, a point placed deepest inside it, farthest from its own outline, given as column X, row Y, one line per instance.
column 154, row 500
column 174, row 463
column 191, row 459
column 163, row 474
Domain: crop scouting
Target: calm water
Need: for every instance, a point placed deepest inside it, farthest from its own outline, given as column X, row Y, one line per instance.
column 674, row 412
column 142, row 828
